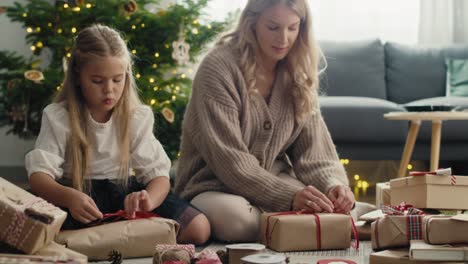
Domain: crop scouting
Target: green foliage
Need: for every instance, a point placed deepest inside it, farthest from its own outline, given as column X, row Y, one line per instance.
column 162, row 83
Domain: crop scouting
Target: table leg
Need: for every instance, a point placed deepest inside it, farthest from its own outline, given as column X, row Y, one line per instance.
column 409, row 145
column 435, row 144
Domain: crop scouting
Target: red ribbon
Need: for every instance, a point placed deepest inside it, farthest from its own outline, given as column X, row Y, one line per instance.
column 121, row 215
column 401, row 209
column 317, row 227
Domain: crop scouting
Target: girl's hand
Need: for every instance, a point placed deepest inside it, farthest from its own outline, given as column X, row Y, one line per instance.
column 138, row 201
column 82, row 207
column 312, row 200
column 342, row 198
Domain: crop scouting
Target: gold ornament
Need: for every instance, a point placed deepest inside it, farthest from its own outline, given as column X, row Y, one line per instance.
column 131, row 7
column 168, row 115
column 3, row 9
column 13, row 83
column 34, row 75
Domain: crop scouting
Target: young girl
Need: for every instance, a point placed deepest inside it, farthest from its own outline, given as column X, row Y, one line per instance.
column 94, row 132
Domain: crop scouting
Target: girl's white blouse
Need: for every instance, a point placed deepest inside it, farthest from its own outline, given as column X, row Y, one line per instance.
column 147, row 157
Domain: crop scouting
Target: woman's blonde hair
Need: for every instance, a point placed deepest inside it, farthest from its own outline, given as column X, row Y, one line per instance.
column 95, row 42
column 301, row 63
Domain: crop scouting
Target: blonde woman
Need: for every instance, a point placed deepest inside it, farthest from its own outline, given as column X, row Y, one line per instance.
column 96, row 130
column 253, row 136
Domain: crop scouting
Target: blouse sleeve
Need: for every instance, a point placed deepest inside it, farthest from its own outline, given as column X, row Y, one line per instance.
column 314, row 157
column 148, row 158
column 48, row 155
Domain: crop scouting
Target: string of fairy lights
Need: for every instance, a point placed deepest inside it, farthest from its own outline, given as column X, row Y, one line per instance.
column 361, row 185
column 153, row 101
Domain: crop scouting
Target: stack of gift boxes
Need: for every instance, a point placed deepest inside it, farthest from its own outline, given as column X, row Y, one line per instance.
column 30, row 228
column 421, row 220
column 29, row 224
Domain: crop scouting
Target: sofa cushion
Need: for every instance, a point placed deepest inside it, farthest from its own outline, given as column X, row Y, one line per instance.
column 354, row 69
column 414, row 73
column 452, row 130
column 360, row 119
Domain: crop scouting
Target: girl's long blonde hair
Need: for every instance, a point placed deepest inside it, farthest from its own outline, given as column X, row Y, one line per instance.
column 91, row 43
column 301, row 63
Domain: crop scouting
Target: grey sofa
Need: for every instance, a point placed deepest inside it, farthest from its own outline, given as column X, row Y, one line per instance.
column 366, row 79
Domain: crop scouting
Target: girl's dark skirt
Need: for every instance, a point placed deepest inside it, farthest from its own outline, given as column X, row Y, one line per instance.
column 109, row 198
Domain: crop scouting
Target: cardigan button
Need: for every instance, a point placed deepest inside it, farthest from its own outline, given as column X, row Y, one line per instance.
column 267, row 125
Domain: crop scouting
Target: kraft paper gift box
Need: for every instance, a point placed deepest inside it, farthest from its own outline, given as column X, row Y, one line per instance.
column 298, row 232
column 34, row 259
column 394, row 231
column 399, row 256
column 446, row 229
column 421, row 251
column 130, row 238
column 431, row 191
column 382, row 194
column 60, row 252
column 27, row 222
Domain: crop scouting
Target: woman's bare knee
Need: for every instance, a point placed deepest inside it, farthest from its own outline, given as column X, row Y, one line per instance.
column 197, row 232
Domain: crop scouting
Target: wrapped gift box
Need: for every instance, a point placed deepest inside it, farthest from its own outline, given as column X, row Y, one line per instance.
column 130, row 238
column 400, row 256
column 431, row 191
column 395, row 231
column 27, row 222
column 299, row 232
column 446, row 229
column 62, row 253
column 33, row 259
column 382, row 194
column 421, row 251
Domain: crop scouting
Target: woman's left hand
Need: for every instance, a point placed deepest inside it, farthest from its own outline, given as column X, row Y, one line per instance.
column 138, row 201
column 342, row 198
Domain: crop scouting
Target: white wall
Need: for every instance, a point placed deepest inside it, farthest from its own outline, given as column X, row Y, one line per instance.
column 12, row 149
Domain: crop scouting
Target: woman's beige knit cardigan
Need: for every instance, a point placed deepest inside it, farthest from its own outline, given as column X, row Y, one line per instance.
column 231, row 139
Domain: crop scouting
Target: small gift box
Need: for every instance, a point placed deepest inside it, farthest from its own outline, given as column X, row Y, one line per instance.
column 446, row 229
column 296, row 231
column 431, row 191
column 382, row 194
column 129, row 238
column 398, row 226
column 27, row 222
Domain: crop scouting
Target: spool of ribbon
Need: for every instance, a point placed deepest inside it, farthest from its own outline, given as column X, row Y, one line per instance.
column 237, row 251
column 263, row 258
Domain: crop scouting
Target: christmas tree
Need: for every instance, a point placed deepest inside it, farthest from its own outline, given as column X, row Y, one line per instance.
column 164, row 37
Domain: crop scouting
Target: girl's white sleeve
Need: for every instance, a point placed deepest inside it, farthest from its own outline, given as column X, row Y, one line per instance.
column 48, row 155
column 148, row 158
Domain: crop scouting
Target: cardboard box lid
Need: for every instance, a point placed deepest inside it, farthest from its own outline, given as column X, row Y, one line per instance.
column 459, row 180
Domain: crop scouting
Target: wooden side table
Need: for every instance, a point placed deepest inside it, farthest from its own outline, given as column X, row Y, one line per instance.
column 415, row 119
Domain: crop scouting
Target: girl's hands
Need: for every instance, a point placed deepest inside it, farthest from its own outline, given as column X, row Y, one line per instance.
column 342, row 198
column 312, row 200
column 138, row 201
column 82, row 207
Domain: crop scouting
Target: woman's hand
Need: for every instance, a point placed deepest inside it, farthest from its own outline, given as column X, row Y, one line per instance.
column 342, row 198
column 312, row 200
column 82, row 207
column 138, row 201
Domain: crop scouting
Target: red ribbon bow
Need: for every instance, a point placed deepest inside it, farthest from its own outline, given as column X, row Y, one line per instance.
column 121, row 215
